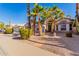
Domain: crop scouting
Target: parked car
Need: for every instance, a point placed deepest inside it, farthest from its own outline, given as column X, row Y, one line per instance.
column 16, row 33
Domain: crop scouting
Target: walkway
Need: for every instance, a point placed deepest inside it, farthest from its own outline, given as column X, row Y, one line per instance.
column 15, row 47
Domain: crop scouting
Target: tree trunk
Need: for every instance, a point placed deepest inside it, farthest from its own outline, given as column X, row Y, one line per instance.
column 34, row 22
column 77, row 10
column 28, row 13
column 39, row 25
column 54, row 32
column 53, row 26
column 77, row 15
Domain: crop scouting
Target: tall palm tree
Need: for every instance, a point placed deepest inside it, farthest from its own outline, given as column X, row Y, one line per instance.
column 54, row 14
column 28, row 13
column 44, row 15
column 57, row 14
column 33, row 13
column 77, row 7
column 77, row 17
column 36, row 11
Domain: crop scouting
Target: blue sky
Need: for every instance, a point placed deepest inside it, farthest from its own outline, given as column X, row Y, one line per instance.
column 14, row 12
column 17, row 12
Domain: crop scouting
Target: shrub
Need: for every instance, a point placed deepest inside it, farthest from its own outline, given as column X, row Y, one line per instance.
column 69, row 34
column 31, row 32
column 8, row 30
column 24, row 32
column 1, row 25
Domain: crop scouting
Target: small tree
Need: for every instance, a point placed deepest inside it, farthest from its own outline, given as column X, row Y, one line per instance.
column 1, row 25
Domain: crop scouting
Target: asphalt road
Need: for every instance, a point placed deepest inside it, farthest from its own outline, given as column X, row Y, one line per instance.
column 14, row 47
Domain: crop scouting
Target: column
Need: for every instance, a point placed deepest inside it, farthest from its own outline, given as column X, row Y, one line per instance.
column 59, row 27
column 55, row 28
column 47, row 27
column 67, row 27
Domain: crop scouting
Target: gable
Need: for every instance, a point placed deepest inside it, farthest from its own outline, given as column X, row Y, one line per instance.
column 64, row 21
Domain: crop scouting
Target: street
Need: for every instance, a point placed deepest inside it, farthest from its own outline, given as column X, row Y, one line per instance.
column 15, row 47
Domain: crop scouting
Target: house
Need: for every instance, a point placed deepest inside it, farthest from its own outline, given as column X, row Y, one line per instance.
column 63, row 25
column 14, row 25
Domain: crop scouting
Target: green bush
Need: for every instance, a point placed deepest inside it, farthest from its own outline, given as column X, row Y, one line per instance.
column 31, row 32
column 25, row 33
column 8, row 30
column 1, row 25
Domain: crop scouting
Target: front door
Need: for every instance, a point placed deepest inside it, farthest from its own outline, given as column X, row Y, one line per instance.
column 70, row 26
column 49, row 27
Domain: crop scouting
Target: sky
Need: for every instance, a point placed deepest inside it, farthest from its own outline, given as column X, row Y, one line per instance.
column 17, row 12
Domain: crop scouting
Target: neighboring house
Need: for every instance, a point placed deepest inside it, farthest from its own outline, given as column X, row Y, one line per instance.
column 13, row 25
column 62, row 25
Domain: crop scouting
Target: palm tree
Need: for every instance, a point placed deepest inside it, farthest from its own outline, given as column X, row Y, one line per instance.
column 33, row 13
column 77, row 17
column 77, row 7
column 44, row 15
column 28, row 13
column 36, row 11
column 76, row 22
column 55, row 14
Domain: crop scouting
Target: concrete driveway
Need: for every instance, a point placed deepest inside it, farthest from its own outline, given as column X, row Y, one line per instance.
column 63, row 46
column 15, row 47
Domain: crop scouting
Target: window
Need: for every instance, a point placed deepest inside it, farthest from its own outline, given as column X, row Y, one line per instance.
column 63, row 26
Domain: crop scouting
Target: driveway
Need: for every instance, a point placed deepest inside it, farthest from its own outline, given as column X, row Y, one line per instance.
column 15, row 47
column 63, row 45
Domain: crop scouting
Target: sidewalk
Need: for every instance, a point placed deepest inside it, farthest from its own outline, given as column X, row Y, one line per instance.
column 14, row 47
